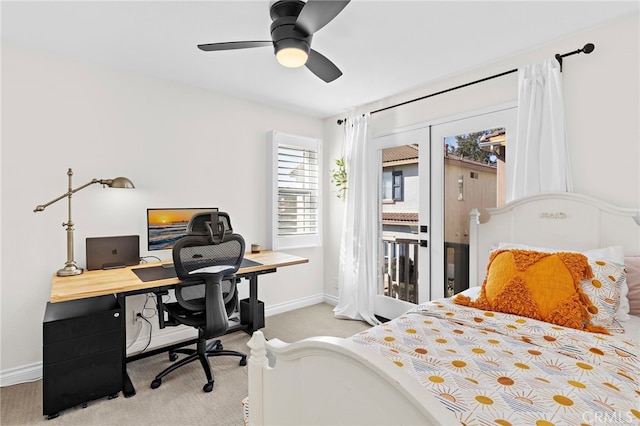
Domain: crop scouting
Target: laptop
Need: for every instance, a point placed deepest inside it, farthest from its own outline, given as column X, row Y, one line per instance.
column 113, row 252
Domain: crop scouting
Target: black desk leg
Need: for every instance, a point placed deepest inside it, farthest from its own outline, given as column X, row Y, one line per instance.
column 127, row 387
column 253, row 301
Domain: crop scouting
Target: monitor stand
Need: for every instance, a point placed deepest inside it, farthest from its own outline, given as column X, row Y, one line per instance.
column 113, row 265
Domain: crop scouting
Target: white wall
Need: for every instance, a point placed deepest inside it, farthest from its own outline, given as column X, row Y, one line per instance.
column 181, row 146
column 602, row 104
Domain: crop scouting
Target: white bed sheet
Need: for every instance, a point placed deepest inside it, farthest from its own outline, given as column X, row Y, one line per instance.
column 483, row 365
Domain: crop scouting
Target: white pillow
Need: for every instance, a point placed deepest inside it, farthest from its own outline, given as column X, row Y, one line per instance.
column 614, row 254
column 471, row 292
column 632, row 329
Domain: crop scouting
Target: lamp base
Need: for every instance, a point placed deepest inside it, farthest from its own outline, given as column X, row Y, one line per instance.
column 69, row 271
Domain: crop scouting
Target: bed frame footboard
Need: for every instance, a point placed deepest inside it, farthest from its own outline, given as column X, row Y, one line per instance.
column 328, row 380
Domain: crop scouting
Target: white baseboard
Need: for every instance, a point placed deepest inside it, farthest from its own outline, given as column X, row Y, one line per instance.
column 331, row 300
column 23, row 374
column 293, row 304
column 161, row 338
column 33, row 372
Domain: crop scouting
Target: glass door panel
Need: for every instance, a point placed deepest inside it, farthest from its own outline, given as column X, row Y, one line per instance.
column 399, row 206
column 470, row 181
column 471, row 175
column 404, row 261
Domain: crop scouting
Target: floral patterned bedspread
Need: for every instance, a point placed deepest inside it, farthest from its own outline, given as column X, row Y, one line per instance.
column 491, row 368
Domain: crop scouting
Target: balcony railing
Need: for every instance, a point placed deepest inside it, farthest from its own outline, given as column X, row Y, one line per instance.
column 401, row 268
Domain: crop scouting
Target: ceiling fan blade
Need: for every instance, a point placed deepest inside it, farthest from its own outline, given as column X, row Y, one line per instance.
column 233, row 45
column 317, row 13
column 322, row 67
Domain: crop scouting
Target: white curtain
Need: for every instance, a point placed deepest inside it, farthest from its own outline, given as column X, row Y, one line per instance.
column 357, row 273
column 538, row 159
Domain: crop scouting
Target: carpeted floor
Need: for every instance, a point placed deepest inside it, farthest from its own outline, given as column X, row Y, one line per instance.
column 180, row 400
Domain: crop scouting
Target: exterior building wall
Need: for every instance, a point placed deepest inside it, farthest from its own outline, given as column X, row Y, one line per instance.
column 480, row 192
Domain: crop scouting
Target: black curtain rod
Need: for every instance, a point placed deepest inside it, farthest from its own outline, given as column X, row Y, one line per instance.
column 588, row 48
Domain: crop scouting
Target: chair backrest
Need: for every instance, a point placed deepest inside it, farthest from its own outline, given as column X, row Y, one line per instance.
column 213, row 293
column 191, row 253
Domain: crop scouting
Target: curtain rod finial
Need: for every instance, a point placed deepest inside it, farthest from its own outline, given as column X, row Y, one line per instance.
column 588, row 48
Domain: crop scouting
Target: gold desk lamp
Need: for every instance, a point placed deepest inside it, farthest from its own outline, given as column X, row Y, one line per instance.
column 70, row 267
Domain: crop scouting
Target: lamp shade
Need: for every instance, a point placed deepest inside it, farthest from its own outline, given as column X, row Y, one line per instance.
column 120, row 182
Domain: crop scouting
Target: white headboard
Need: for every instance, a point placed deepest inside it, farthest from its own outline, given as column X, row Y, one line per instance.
column 555, row 220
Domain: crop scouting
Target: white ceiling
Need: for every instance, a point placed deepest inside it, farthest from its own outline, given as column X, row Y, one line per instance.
column 382, row 47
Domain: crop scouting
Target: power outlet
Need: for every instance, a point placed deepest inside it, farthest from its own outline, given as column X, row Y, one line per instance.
column 135, row 316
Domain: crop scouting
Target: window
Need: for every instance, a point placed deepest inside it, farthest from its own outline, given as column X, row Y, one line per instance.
column 295, row 191
column 392, row 187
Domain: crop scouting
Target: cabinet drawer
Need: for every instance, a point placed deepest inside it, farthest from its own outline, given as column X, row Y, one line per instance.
column 81, row 318
column 69, row 383
column 81, row 347
column 59, row 331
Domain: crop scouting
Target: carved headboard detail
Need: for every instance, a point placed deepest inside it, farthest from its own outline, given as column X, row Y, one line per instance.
column 557, row 220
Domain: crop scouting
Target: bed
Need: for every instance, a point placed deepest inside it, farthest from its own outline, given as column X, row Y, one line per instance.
column 454, row 361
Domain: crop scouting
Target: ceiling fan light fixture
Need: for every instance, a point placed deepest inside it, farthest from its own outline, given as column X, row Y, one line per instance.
column 294, row 23
column 292, row 57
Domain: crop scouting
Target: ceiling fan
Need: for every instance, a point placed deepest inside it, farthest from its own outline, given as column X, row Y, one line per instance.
column 293, row 26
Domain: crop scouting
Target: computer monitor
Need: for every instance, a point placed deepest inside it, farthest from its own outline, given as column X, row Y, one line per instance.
column 165, row 226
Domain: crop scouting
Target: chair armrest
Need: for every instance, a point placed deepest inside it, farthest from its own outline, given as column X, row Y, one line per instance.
column 160, row 307
column 212, row 269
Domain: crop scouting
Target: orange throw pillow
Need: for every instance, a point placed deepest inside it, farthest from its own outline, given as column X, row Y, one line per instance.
column 542, row 286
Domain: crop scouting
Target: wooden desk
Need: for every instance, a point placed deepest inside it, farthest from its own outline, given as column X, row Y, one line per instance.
column 124, row 282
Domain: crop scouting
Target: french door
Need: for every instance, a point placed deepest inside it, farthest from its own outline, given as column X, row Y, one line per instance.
column 430, row 178
column 470, row 172
column 401, row 162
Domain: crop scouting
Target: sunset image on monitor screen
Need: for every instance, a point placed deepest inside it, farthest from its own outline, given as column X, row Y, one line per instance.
column 166, row 226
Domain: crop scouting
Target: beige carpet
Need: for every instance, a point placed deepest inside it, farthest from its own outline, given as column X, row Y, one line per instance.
column 180, row 400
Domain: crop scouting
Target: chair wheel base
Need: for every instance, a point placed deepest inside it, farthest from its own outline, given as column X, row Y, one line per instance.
column 156, row 383
column 208, row 387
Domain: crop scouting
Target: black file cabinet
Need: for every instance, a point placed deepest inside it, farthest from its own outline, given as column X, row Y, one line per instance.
column 82, row 352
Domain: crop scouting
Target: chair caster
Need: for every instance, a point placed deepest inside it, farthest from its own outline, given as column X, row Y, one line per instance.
column 156, row 383
column 113, row 395
column 52, row 416
column 208, row 387
column 243, row 360
column 219, row 346
column 172, row 356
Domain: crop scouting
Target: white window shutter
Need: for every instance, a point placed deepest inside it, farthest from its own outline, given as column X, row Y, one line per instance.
column 295, row 191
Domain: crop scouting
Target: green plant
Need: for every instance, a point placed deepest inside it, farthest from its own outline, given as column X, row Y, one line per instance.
column 339, row 177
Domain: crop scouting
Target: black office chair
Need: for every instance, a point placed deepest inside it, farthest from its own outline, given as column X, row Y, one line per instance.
column 200, row 224
column 207, row 264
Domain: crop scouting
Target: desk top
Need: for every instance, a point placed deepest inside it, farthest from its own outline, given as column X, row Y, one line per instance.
column 122, row 280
